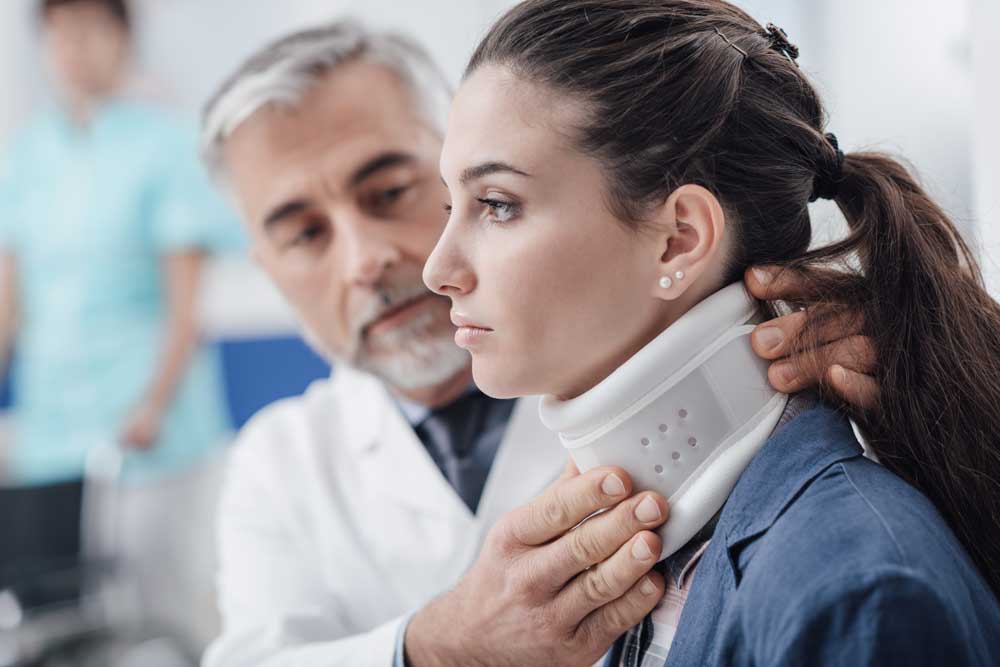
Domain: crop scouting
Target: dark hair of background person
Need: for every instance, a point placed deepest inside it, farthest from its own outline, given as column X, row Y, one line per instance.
column 668, row 100
column 117, row 8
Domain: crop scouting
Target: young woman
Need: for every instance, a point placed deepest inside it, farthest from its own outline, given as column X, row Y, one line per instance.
column 614, row 164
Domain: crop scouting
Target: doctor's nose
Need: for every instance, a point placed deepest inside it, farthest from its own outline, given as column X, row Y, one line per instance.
column 446, row 271
column 368, row 256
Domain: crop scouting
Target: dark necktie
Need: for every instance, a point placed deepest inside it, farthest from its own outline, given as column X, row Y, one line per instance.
column 462, row 439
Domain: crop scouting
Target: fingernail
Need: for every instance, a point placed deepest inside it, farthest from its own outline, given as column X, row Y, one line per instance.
column 770, row 338
column 647, row 511
column 763, row 276
column 613, row 486
column 647, row 587
column 640, row 550
column 786, row 372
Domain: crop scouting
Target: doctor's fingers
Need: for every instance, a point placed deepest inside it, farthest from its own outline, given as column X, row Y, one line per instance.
column 570, row 470
column 776, row 338
column 774, row 283
column 608, row 580
column 611, row 621
column 564, row 504
column 855, row 353
column 598, row 538
column 856, row 388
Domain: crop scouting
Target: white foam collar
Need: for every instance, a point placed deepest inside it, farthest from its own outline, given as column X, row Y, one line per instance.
column 684, row 416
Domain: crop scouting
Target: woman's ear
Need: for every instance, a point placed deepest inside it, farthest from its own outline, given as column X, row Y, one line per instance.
column 691, row 227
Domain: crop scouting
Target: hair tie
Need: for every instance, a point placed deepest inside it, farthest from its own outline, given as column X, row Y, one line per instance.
column 780, row 43
column 829, row 175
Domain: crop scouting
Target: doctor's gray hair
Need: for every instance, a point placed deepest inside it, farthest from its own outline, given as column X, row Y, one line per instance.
column 283, row 72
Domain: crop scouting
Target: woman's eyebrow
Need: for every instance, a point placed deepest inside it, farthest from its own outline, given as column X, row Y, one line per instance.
column 487, row 168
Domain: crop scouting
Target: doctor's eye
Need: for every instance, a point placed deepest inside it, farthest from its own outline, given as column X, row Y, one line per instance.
column 304, row 234
column 308, row 234
column 381, row 201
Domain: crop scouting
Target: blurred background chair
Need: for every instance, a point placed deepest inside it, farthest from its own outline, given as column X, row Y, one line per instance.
column 132, row 585
column 101, row 600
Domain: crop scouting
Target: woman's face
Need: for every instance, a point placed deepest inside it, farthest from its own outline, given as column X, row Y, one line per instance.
column 550, row 290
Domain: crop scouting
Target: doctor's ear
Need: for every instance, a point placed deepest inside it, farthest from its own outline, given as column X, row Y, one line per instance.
column 690, row 229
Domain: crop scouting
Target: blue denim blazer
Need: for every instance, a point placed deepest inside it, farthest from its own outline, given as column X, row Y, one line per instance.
column 822, row 557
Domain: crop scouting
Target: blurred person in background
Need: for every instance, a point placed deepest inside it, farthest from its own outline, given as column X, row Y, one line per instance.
column 106, row 219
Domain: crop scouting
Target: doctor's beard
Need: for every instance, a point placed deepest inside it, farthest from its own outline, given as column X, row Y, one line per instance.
column 416, row 354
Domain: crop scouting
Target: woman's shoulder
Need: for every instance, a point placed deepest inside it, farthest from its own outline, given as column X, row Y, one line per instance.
column 854, row 545
column 855, row 516
column 813, row 495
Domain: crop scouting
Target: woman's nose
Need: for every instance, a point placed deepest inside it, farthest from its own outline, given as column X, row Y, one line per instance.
column 447, row 271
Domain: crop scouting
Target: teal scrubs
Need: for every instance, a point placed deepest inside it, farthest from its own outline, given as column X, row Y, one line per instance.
column 88, row 215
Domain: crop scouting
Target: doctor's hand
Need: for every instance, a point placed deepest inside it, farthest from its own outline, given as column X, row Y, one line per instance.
column 546, row 589
column 848, row 358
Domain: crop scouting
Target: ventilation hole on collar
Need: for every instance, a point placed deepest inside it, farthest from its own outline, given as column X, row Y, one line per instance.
column 693, row 442
column 683, row 414
column 645, row 442
column 676, row 456
column 658, row 468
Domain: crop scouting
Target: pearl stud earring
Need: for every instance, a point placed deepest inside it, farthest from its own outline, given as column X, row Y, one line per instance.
column 666, row 282
column 679, row 275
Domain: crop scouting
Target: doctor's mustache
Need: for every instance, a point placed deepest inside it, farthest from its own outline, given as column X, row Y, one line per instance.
column 383, row 301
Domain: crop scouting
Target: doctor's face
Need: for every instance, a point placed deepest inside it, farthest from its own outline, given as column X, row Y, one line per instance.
column 342, row 198
column 550, row 289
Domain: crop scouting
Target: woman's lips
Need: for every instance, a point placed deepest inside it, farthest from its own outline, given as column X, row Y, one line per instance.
column 471, row 337
column 468, row 335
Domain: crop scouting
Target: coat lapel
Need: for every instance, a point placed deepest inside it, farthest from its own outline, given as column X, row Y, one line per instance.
column 529, row 459
column 394, row 465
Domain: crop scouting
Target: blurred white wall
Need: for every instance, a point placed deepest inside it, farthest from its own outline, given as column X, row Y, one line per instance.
column 986, row 128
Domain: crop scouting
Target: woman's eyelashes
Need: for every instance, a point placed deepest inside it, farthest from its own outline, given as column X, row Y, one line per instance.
column 497, row 211
column 500, row 211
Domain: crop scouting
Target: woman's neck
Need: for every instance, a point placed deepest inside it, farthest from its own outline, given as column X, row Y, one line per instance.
column 666, row 314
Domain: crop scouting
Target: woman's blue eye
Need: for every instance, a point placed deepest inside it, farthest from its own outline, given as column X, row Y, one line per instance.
column 500, row 211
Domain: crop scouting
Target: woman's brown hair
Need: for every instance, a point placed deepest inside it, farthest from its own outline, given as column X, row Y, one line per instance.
column 696, row 91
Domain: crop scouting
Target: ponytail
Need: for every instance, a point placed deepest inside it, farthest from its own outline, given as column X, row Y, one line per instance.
column 936, row 333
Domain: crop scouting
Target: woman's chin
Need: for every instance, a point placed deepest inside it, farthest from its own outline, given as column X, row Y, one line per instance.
column 497, row 382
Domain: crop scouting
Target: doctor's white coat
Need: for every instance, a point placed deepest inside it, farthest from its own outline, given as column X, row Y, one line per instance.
column 335, row 525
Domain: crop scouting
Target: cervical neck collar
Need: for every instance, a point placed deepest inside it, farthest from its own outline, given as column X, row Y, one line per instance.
column 684, row 416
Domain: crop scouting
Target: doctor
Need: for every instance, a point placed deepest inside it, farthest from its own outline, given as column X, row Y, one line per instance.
column 348, row 509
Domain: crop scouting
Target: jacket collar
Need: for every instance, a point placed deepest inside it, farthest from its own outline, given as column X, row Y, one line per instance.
column 798, row 453
column 364, row 398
